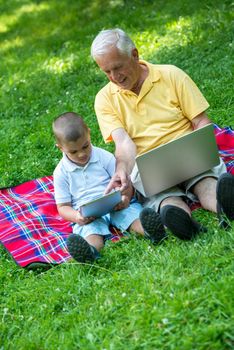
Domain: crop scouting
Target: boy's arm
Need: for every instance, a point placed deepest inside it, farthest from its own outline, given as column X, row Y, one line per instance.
column 66, row 211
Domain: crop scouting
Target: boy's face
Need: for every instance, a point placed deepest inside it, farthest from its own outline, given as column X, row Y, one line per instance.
column 78, row 151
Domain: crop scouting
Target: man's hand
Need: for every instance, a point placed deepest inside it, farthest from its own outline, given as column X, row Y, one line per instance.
column 126, row 197
column 120, row 180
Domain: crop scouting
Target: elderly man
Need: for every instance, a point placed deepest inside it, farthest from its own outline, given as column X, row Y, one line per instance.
column 143, row 106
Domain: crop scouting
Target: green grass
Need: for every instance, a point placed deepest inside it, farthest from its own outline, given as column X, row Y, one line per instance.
column 178, row 296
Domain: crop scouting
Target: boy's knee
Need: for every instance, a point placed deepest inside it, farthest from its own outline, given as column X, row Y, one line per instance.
column 136, row 227
column 95, row 240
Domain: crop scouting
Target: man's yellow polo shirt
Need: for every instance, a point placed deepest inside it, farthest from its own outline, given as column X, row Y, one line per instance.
column 163, row 110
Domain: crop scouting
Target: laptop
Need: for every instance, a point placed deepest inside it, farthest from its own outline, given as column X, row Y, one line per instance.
column 178, row 160
column 102, row 205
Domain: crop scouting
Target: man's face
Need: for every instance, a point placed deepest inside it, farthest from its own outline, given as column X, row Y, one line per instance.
column 78, row 151
column 121, row 69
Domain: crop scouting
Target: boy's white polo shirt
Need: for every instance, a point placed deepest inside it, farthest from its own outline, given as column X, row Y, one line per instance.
column 76, row 185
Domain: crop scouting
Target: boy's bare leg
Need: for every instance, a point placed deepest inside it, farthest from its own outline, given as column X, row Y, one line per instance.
column 137, row 227
column 96, row 241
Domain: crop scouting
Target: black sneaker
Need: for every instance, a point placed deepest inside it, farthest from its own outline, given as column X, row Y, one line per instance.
column 152, row 225
column 225, row 199
column 81, row 250
column 180, row 223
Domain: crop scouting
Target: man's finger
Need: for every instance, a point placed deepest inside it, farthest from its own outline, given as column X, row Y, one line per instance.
column 113, row 184
column 109, row 188
column 124, row 186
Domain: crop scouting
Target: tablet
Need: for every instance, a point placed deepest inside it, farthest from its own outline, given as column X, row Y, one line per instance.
column 101, row 205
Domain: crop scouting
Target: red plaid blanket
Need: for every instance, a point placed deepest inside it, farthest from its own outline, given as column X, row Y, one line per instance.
column 225, row 142
column 30, row 227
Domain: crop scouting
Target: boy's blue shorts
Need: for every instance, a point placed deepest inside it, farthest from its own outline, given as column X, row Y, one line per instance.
column 121, row 219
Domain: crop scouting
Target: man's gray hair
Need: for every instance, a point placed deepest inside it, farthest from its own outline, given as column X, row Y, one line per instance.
column 109, row 38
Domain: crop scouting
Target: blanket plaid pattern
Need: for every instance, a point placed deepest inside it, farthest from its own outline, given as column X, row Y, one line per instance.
column 225, row 142
column 31, row 229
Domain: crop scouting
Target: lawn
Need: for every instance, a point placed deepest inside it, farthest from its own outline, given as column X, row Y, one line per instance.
column 177, row 296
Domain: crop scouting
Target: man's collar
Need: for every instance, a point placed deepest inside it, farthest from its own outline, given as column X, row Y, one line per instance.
column 70, row 166
column 153, row 76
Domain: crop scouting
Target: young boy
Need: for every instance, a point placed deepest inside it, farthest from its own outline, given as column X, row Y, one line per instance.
column 81, row 175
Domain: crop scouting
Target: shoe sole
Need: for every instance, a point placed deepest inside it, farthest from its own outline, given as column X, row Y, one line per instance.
column 225, row 196
column 79, row 249
column 152, row 225
column 179, row 222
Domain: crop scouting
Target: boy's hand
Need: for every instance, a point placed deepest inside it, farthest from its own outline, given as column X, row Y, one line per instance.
column 81, row 220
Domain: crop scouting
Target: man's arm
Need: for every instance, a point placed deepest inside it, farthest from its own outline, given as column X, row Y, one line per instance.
column 200, row 120
column 125, row 152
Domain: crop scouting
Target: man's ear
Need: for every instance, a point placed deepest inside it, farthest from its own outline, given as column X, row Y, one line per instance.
column 135, row 54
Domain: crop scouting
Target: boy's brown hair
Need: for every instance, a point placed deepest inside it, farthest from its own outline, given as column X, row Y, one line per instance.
column 68, row 127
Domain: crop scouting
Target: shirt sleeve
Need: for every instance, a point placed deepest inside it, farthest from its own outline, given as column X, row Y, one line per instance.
column 107, row 117
column 192, row 101
column 61, row 187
